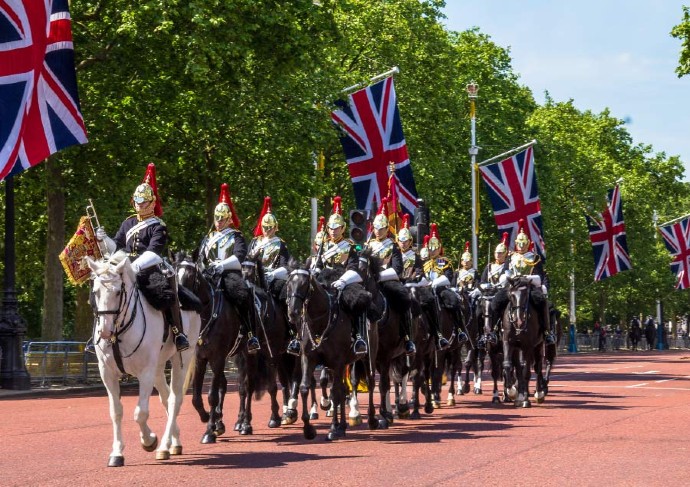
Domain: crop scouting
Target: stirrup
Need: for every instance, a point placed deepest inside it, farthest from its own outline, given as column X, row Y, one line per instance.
column 442, row 343
column 294, row 347
column 492, row 338
column 360, row 347
column 462, row 337
column 253, row 345
column 410, row 348
column 90, row 347
column 180, row 339
column 481, row 343
column 549, row 339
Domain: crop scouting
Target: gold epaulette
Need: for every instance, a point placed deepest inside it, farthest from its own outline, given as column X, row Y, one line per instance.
column 428, row 265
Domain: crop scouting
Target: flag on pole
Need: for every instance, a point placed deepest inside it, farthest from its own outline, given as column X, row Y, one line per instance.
column 512, row 187
column 677, row 240
column 39, row 105
column 607, row 234
column 82, row 244
column 372, row 138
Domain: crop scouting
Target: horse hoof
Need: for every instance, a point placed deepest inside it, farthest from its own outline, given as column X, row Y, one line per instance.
column 289, row 417
column 329, row 413
column 383, row 424
column 403, row 410
column 415, row 415
column 335, row 435
column 477, row 391
column 465, row 388
column 325, row 407
column 220, row 428
column 495, row 400
column 539, row 396
column 313, row 416
column 247, row 429
column 208, row 439
column 355, row 421
column 152, row 446
column 428, row 408
column 512, row 393
column 526, row 404
column 274, row 423
column 116, row 461
column 450, row 402
column 238, row 426
column 309, row 432
column 162, row 455
column 176, row 450
column 373, row 424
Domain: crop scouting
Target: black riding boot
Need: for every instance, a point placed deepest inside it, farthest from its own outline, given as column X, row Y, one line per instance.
column 174, row 320
column 439, row 340
column 247, row 313
column 360, row 346
column 545, row 321
column 550, row 336
column 405, row 331
column 295, row 345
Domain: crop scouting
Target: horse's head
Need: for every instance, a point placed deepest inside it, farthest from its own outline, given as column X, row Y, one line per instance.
column 253, row 271
column 369, row 266
column 110, row 281
column 187, row 270
column 518, row 293
column 298, row 287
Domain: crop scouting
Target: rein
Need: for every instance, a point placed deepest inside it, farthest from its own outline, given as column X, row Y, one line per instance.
column 513, row 312
column 331, row 312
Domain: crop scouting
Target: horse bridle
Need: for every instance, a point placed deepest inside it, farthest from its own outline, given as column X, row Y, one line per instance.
column 305, row 301
column 512, row 311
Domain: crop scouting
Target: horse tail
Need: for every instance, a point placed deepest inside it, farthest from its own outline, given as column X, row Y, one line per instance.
column 261, row 376
column 190, row 374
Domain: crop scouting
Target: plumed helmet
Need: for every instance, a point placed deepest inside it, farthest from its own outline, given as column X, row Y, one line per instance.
column 320, row 232
column 522, row 241
column 381, row 218
column 405, row 234
column 434, row 242
column 502, row 246
column 336, row 219
column 225, row 207
column 266, row 218
column 466, row 255
column 148, row 190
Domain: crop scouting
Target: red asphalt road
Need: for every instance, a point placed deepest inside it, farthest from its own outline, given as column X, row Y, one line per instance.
column 612, row 419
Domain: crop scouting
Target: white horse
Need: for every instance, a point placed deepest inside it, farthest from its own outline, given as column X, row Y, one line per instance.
column 126, row 321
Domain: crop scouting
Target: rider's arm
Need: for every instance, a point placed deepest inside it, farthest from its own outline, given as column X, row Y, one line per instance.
column 283, row 256
column 240, row 248
column 352, row 263
column 397, row 260
column 158, row 238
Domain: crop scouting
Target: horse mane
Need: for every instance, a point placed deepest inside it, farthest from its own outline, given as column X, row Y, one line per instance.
column 373, row 262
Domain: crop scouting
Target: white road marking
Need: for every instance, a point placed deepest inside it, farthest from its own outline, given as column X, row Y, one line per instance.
column 637, row 385
column 647, row 372
column 665, row 380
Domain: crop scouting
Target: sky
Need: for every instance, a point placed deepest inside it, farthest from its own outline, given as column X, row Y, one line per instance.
column 612, row 54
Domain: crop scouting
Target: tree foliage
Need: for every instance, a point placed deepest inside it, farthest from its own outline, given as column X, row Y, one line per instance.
column 682, row 32
column 240, row 91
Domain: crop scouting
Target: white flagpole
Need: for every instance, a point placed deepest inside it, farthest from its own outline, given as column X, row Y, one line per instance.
column 508, row 153
column 390, row 72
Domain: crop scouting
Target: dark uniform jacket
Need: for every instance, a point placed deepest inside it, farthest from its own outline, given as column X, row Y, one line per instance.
column 413, row 269
column 137, row 237
column 221, row 245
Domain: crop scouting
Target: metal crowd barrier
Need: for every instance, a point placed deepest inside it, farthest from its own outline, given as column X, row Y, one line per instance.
column 60, row 362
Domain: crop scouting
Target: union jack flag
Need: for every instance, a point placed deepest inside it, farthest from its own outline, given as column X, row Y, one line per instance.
column 372, row 137
column 39, row 105
column 677, row 240
column 514, row 195
column 607, row 234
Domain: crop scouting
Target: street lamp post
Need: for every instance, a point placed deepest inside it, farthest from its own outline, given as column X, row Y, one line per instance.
column 472, row 89
column 572, row 346
column 659, row 315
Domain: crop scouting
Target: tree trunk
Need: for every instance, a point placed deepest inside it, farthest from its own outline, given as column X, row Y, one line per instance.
column 210, row 185
column 83, row 320
column 51, row 327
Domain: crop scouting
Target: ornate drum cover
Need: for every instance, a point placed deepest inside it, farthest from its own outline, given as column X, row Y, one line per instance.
column 82, row 243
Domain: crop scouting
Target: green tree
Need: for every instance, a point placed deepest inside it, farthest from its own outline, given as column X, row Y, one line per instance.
column 682, row 32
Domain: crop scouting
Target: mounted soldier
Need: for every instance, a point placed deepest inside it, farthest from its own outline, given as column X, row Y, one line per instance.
column 413, row 274
column 274, row 255
column 382, row 246
column 221, row 254
column 144, row 237
column 525, row 262
column 339, row 253
column 491, row 279
column 468, row 278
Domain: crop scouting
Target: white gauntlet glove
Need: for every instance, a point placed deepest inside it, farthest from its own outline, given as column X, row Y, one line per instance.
column 101, row 236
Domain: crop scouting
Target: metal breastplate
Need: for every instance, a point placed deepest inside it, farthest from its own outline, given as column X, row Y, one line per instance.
column 336, row 253
column 495, row 272
column 522, row 264
column 466, row 277
column 219, row 247
column 269, row 250
column 383, row 250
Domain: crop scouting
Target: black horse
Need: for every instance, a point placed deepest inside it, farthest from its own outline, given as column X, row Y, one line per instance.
column 522, row 343
column 550, row 351
column 326, row 339
column 635, row 334
column 454, row 312
column 221, row 336
column 474, row 360
column 493, row 350
column 418, row 368
column 390, row 301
